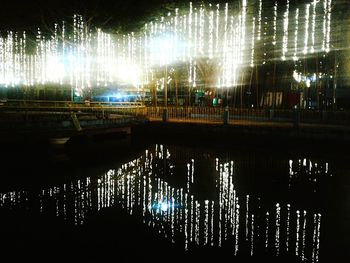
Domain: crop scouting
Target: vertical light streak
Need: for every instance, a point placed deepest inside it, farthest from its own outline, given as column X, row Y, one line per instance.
column 197, row 225
column 206, row 222
column 201, row 30
column 259, row 20
column 285, row 32
column 252, row 237
column 194, row 74
column 297, row 234
column 176, row 35
column 243, row 28
column 306, row 31
column 253, row 44
column 303, row 237
column 212, row 224
column 274, row 23
column 195, row 45
column 313, row 25
column 237, row 229
column 225, row 51
column 318, row 237
column 267, row 231
column 247, row 218
column 188, row 178
column 324, row 27
column 233, row 212
column 287, row 227
column 217, row 26
column 192, row 209
column 328, row 38
column 313, row 254
column 211, row 30
column 186, row 229
column 265, row 39
column 184, row 31
column 63, row 36
column 190, row 48
column 278, row 224
column 295, row 55
column 233, row 52
column 86, row 58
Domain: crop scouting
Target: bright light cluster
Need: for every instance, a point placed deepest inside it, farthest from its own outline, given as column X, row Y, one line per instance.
column 230, row 37
column 308, row 79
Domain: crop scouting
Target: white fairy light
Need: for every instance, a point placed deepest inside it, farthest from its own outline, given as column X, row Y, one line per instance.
column 295, row 55
column 84, row 57
column 313, row 25
column 285, row 32
column 274, row 24
column 306, row 33
column 211, row 29
column 329, row 11
column 253, row 44
column 259, row 20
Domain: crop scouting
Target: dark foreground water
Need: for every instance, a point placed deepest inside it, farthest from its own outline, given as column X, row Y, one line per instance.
column 159, row 202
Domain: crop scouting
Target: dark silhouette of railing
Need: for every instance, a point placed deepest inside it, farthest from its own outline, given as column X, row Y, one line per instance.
column 38, row 115
column 198, row 114
column 249, row 116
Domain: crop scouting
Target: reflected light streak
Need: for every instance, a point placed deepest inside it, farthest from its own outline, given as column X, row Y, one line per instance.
column 180, row 215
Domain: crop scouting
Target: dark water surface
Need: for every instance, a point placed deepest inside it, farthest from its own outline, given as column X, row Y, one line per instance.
column 147, row 202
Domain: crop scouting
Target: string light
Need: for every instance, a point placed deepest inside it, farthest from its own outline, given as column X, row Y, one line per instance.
column 274, row 24
column 295, row 57
column 306, row 34
column 85, row 58
column 259, row 20
column 253, row 44
column 285, row 31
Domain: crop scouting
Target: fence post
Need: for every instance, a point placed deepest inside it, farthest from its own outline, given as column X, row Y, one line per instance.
column 271, row 114
column 226, row 115
column 296, row 119
column 165, row 114
column 324, row 116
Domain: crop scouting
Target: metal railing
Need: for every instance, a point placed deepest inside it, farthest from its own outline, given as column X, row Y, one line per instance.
column 81, row 108
column 39, row 113
column 22, row 115
column 197, row 114
column 181, row 114
column 69, row 105
column 248, row 115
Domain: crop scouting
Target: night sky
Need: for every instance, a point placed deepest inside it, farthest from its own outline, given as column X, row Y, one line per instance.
column 111, row 15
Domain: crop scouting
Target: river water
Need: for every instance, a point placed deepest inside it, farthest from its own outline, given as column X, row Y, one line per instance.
column 177, row 201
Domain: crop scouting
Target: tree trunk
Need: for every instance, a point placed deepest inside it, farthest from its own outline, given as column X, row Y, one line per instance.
column 176, row 92
column 155, row 95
